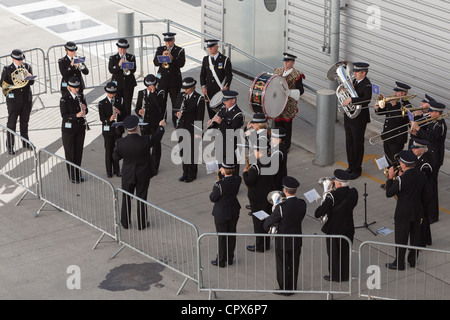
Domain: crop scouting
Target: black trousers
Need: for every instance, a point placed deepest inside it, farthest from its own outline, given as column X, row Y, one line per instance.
column 261, row 243
column 287, row 262
column 73, row 144
column 354, row 143
column 287, row 125
column 173, row 93
column 111, row 165
column 226, row 244
column 403, row 231
column 127, row 95
column 391, row 148
column 338, row 259
column 141, row 192
column 21, row 112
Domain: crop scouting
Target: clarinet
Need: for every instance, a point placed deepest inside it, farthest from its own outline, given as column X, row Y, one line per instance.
column 182, row 108
column 84, row 113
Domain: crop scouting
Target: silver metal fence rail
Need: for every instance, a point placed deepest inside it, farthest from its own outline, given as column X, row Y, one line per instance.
column 162, row 236
column 18, row 162
column 256, row 271
column 77, row 192
column 429, row 279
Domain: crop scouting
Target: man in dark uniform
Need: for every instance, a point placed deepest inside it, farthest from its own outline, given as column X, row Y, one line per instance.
column 226, row 213
column 280, row 151
column 73, row 109
column 137, row 167
column 259, row 186
column 338, row 205
column 19, row 101
column 435, row 132
column 289, row 216
column 149, row 107
column 355, row 128
column 192, row 110
column 124, row 78
column 414, row 194
column 110, row 112
column 395, row 131
column 215, row 74
column 170, row 73
column 68, row 68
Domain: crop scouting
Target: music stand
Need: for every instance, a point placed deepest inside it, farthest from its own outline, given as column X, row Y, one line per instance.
column 366, row 225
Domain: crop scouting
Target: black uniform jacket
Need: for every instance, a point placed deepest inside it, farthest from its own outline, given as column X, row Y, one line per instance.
column 435, row 133
column 170, row 77
column 289, row 216
column 118, row 76
column 259, row 186
column 394, row 123
column 364, row 92
column 192, row 109
column 224, row 196
column 222, row 66
column 413, row 192
column 105, row 110
column 425, row 164
column 281, row 154
column 153, row 105
column 69, row 108
column 67, row 71
column 22, row 95
column 134, row 149
column 338, row 206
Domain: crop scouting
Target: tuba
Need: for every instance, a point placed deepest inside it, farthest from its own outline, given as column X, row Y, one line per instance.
column 18, row 78
column 341, row 72
column 328, row 186
column 275, row 197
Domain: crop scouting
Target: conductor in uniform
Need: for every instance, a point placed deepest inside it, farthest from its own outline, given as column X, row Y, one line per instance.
column 19, row 101
column 192, row 111
column 289, row 216
column 110, row 112
column 149, row 107
column 124, row 78
column 338, row 207
column 170, row 73
column 355, row 128
column 68, row 68
column 215, row 74
column 73, row 108
column 137, row 167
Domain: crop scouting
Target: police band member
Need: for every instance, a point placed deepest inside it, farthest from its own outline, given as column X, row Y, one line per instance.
column 124, row 78
column 338, row 206
column 68, row 68
column 73, row 109
column 191, row 105
column 279, row 150
column 19, row 101
column 413, row 196
column 226, row 213
column 215, row 74
column 355, row 128
column 110, row 112
column 169, row 73
column 294, row 79
column 435, row 132
column 137, row 167
column 149, row 107
column 289, row 216
column 395, row 131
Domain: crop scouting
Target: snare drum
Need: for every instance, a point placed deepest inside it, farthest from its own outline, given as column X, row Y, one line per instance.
column 269, row 95
column 216, row 100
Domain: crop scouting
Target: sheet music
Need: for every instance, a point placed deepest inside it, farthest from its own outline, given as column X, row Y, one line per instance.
column 261, row 215
column 382, row 163
column 212, row 166
column 312, row 195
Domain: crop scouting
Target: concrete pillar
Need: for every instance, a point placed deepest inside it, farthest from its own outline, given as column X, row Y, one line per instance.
column 125, row 27
column 325, row 128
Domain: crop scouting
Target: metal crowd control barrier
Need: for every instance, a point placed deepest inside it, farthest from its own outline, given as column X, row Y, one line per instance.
column 257, row 271
column 429, row 279
column 166, row 238
column 97, row 55
column 19, row 165
column 92, row 201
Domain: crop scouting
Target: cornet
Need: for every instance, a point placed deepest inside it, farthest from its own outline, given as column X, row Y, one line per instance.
column 275, row 197
column 165, row 65
column 126, row 72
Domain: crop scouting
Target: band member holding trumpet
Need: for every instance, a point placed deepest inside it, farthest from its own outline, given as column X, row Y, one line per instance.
column 338, row 205
column 191, row 107
column 73, row 109
column 394, row 133
column 355, row 128
column 110, row 111
column 169, row 73
column 289, row 215
column 19, row 98
column 215, row 74
column 68, row 68
column 149, row 107
column 123, row 77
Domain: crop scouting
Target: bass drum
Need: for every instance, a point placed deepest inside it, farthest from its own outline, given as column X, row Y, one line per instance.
column 269, row 95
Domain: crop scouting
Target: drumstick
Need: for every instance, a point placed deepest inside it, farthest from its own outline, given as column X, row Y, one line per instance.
column 207, row 98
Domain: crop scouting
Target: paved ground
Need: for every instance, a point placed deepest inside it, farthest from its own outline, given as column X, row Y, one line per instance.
column 36, row 254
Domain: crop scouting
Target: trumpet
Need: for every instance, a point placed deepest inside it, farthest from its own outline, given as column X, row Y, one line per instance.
column 275, row 198
column 165, row 65
column 126, row 72
column 79, row 66
column 84, row 112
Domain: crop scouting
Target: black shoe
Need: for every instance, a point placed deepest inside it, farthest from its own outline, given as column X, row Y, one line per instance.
column 74, row 181
column 183, row 178
column 11, row 152
column 355, row 175
column 327, row 277
column 189, row 180
column 214, row 263
column 109, row 175
column 286, row 294
column 82, row 179
column 118, row 174
column 349, row 170
column 147, row 224
column 248, row 207
column 230, row 262
column 251, row 248
column 383, row 186
column 393, row 266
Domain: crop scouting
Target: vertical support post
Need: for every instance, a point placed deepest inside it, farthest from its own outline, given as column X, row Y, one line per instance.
column 335, row 30
column 325, row 129
column 125, row 26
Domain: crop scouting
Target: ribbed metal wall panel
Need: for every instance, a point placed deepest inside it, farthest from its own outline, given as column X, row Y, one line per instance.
column 212, row 18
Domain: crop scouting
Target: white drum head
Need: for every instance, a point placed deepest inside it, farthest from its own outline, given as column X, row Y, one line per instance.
column 275, row 96
column 216, row 100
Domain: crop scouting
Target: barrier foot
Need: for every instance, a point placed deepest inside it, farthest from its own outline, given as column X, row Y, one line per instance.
column 329, row 296
column 40, row 209
column 98, row 241
column 115, row 254
column 21, row 198
column 182, row 286
column 211, row 294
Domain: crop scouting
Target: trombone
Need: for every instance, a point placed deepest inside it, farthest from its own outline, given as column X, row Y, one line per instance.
column 421, row 123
